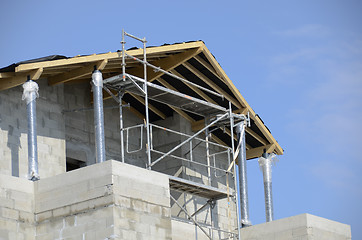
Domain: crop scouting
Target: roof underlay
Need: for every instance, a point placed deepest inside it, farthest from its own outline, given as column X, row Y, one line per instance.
column 191, row 61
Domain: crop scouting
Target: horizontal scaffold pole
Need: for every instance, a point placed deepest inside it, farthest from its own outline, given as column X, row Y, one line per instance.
column 189, row 139
column 174, row 76
column 191, row 218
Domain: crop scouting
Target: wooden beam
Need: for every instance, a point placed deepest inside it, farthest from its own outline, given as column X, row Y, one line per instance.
column 256, row 136
column 207, row 66
column 77, row 73
column 197, row 125
column 35, row 75
column 228, row 132
column 241, row 99
column 150, row 106
column 212, row 84
column 110, row 55
column 241, row 111
column 267, row 134
column 218, row 140
column 179, row 111
column 223, row 76
column 19, row 79
column 7, row 74
column 195, row 89
column 166, row 64
column 257, row 152
column 183, row 114
column 12, row 82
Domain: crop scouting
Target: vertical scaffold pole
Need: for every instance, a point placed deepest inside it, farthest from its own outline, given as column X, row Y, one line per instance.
column 235, row 179
column 207, row 150
column 243, row 184
column 123, row 57
column 148, row 147
column 120, row 96
column 30, row 94
column 97, row 85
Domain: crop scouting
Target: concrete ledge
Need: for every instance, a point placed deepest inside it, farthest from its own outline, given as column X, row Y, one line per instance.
column 300, row 227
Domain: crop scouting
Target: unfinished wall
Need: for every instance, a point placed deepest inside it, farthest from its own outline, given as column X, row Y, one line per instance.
column 79, row 127
column 110, row 200
column 184, row 230
column 70, row 134
column 50, row 129
column 300, row 227
column 16, row 208
column 104, row 201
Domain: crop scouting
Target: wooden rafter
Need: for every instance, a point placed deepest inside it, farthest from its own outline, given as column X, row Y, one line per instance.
column 218, row 140
column 77, row 73
column 256, row 136
column 7, row 74
column 166, row 64
column 195, row 89
column 110, row 55
column 241, row 111
column 197, row 125
column 228, row 132
column 207, row 66
column 19, row 79
column 257, row 152
column 9, row 80
column 241, row 99
column 150, row 106
column 179, row 111
column 212, row 84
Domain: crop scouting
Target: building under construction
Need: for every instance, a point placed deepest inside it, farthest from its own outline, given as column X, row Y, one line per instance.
column 140, row 143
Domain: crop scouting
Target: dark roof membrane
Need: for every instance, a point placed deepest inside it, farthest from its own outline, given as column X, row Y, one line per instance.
column 11, row 68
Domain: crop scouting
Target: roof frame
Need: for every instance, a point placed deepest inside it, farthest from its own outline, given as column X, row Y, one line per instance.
column 241, row 99
column 77, row 73
column 167, row 57
column 19, row 79
column 213, row 85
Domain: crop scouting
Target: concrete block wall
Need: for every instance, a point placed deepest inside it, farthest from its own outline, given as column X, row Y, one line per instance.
column 65, row 134
column 300, row 227
column 50, row 129
column 184, row 230
column 142, row 203
column 76, row 205
column 80, row 146
column 111, row 200
column 16, row 208
column 79, row 128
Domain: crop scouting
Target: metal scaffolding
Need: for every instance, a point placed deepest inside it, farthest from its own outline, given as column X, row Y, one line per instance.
column 214, row 115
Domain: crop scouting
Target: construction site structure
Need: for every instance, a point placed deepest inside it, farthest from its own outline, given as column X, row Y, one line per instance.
column 86, row 120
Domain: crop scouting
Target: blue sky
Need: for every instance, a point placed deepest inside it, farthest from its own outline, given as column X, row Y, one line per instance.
column 297, row 63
